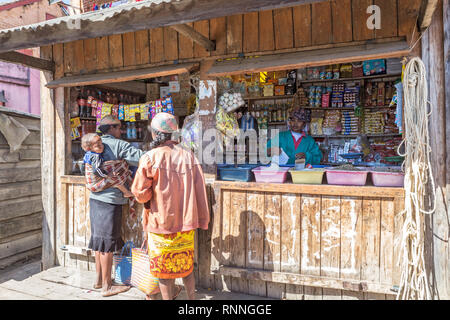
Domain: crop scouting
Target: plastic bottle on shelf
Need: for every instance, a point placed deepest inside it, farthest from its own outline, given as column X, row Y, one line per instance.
column 128, row 131
column 139, row 132
column 81, row 104
column 133, row 131
column 88, row 98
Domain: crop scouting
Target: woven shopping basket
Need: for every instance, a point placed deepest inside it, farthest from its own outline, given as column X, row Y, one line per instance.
column 122, row 264
column 141, row 277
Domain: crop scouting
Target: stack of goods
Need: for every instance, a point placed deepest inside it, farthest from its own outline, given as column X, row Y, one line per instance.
column 374, row 122
column 346, row 70
column 337, row 96
column 357, row 70
column 351, row 97
column 316, row 122
column 374, row 67
column 383, row 148
column 389, row 122
column 378, row 94
column 300, row 98
column 370, row 96
column 315, row 96
column 326, row 96
column 350, row 123
column 313, row 73
column 331, row 122
column 336, row 71
column 388, row 93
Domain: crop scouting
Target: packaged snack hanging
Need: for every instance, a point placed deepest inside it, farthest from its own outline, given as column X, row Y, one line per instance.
column 132, row 115
column 121, row 114
column 126, row 109
column 169, row 104
column 153, row 109
column 226, row 123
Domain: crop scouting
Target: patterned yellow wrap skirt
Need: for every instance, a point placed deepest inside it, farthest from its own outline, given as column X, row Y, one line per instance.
column 171, row 255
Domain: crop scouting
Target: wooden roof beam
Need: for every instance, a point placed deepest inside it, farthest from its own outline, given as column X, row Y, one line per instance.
column 302, row 59
column 121, row 76
column 27, row 61
column 196, row 36
column 427, row 9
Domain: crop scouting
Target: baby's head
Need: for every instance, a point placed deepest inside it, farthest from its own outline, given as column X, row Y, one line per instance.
column 92, row 142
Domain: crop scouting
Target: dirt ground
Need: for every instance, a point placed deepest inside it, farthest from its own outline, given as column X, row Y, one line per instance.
column 25, row 281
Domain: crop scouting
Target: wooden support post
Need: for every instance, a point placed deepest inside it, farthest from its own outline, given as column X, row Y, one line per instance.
column 196, row 36
column 48, row 167
column 433, row 56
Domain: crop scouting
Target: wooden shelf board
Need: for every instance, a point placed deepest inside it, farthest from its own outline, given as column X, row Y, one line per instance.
column 269, row 98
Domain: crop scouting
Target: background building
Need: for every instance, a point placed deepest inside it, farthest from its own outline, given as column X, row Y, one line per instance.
column 21, row 85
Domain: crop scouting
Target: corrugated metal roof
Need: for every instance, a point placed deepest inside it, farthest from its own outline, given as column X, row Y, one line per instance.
column 94, row 16
column 130, row 17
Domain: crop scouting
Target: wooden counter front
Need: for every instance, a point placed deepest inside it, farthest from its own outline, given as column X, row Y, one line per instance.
column 306, row 241
column 75, row 226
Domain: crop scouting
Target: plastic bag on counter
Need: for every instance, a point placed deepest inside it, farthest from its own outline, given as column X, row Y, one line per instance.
column 227, row 123
column 191, row 132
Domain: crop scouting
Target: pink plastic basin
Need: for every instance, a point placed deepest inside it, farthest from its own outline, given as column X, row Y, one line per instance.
column 271, row 176
column 388, row 179
column 346, row 178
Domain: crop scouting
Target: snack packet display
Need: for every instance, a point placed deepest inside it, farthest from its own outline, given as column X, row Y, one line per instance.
column 227, row 123
column 152, row 109
column 126, row 110
column 169, row 104
column 121, row 113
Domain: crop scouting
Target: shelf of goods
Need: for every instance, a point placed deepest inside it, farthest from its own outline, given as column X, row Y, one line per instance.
column 394, row 75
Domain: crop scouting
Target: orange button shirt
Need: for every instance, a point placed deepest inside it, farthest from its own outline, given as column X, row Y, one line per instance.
column 171, row 183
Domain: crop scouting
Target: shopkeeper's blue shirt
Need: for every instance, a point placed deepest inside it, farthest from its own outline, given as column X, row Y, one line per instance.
column 308, row 146
column 116, row 149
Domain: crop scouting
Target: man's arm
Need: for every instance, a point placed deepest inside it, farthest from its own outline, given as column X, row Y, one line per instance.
column 129, row 153
column 142, row 183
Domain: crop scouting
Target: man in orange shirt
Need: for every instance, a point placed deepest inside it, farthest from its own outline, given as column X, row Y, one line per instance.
column 170, row 182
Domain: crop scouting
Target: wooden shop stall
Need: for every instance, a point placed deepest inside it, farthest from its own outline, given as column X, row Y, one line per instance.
column 282, row 240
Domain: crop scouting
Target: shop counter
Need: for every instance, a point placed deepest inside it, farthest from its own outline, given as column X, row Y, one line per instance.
column 268, row 236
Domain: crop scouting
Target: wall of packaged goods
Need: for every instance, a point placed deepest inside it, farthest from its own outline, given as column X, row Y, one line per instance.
column 346, row 101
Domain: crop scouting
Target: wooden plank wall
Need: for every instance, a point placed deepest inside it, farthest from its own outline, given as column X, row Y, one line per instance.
column 324, row 24
column 20, row 195
column 78, row 228
column 435, row 55
column 332, row 237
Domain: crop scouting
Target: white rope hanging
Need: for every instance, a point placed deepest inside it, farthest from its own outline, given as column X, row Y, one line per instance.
column 413, row 282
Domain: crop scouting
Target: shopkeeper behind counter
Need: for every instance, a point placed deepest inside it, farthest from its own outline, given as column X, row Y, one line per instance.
column 295, row 143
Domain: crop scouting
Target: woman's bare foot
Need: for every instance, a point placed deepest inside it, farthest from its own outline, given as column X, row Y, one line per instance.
column 113, row 290
column 154, row 295
column 97, row 286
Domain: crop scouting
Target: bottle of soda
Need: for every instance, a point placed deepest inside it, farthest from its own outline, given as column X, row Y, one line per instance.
column 129, row 133
column 139, row 132
column 88, row 99
column 133, row 131
column 81, row 104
